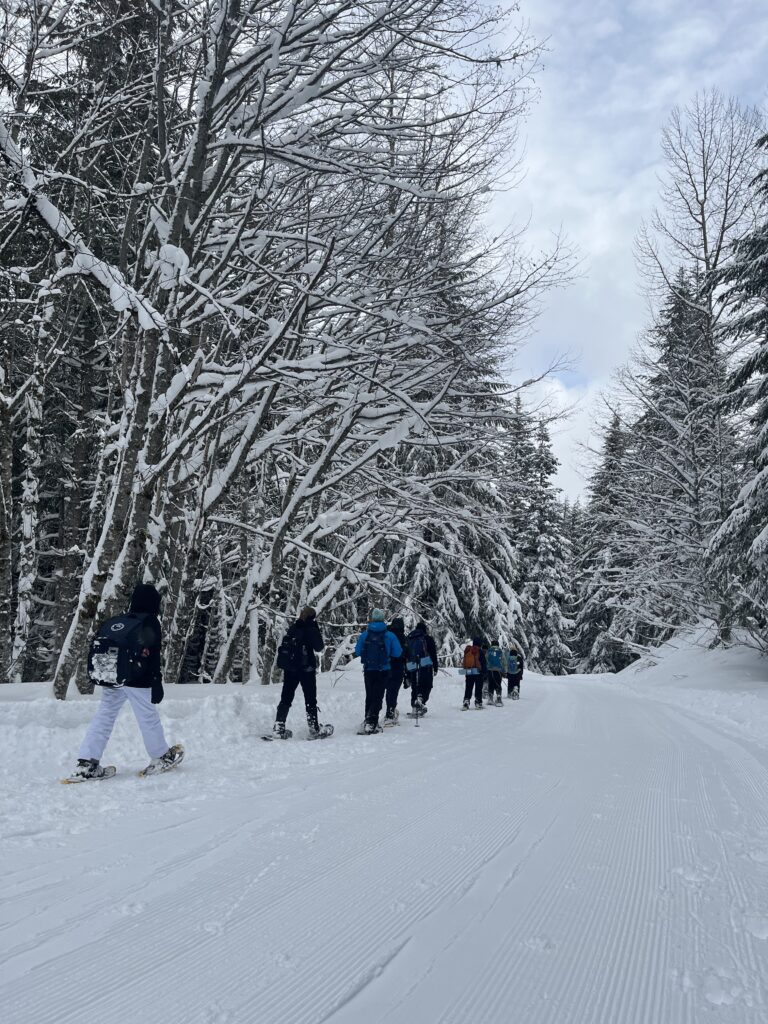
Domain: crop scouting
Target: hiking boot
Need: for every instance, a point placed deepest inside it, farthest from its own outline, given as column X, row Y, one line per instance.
column 498, row 702
column 88, row 769
column 312, row 723
column 371, row 727
column 465, row 705
column 279, row 729
column 478, row 705
column 392, row 715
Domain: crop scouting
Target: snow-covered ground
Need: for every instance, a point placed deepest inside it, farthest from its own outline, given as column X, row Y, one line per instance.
column 594, row 854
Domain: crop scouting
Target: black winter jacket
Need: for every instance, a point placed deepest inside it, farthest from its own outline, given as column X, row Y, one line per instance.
column 431, row 647
column 398, row 628
column 309, row 636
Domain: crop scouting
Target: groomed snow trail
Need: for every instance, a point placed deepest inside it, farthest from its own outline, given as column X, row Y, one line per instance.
column 583, row 856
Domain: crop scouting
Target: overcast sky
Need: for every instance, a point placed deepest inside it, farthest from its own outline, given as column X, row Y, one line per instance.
column 613, row 71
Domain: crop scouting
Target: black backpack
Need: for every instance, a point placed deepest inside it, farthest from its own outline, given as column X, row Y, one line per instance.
column 291, row 654
column 418, row 651
column 119, row 653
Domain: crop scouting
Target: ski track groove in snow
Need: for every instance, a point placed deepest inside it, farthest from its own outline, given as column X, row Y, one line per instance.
column 580, row 857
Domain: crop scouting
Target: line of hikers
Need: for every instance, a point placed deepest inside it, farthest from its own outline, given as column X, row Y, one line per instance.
column 391, row 660
column 486, row 665
column 124, row 659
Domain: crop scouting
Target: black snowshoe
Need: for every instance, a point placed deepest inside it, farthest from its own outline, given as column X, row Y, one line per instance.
column 279, row 732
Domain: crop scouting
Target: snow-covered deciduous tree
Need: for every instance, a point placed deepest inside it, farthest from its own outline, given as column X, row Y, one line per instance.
column 255, row 328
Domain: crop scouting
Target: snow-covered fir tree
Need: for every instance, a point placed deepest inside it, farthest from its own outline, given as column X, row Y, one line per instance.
column 546, row 562
column 603, row 560
column 740, row 547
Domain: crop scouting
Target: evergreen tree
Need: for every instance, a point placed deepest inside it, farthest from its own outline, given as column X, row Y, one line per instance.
column 546, row 559
column 603, row 561
column 741, row 545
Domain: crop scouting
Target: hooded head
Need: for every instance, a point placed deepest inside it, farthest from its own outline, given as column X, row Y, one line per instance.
column 377, row 615
column 397, row 626
column 421, row 627
column 477, row 641
column 307, row 614
column 145, row 600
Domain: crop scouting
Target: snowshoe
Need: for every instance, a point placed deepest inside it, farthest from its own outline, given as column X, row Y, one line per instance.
column 368, row 729
column 89, row 771
column 516, row 693
column 279, row 732
column 391, row 718
column 417, row 711
column 170, row 759
column 320, row 732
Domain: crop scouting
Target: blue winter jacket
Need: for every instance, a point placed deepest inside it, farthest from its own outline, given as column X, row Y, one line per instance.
column 392, row 644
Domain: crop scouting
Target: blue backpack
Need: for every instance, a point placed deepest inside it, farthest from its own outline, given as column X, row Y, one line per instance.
column 513, row 664
column 374, row 654
column 494, row 659
column 119, row 653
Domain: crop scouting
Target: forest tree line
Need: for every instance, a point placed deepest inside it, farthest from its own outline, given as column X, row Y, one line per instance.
column 255, row 345
column 253, row 333
column 674, row 532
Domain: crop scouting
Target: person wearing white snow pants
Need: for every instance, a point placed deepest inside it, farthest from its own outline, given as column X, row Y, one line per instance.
column 147, row 715
column 124, row 660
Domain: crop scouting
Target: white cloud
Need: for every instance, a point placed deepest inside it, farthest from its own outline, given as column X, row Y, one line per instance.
column 613, row 71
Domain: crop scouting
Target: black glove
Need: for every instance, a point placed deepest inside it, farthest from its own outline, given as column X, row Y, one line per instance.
column 157, row 693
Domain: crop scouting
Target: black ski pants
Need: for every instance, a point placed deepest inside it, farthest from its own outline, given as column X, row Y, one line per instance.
column 395, row 681
column 307, row 680
column 375, row 688
column 421, row 684
column 494, row 682
column 513, row 681
column 474, row 683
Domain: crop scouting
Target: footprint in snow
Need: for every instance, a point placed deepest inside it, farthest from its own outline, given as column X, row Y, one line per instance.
column 130, row 909
column 721, row 990
column 757, row 926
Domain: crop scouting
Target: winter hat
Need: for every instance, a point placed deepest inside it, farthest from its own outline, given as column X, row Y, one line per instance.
column 145, row 600
column 377, row 615
column 307, row 614
column 397, row 625
column 421, row 628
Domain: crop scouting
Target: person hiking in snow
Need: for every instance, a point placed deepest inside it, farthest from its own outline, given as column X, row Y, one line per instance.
column 473, row 663
column 496, row 666
column 296, row 658
column 515, row 666
column 376, row 646
column 397, row 673
column 421, row 665
column 124, row 660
